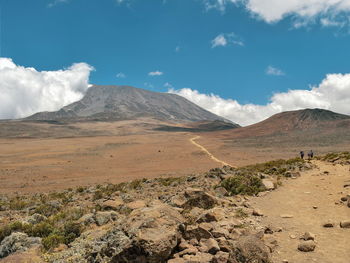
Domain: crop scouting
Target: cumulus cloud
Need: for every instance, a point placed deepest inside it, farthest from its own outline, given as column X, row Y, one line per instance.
column 333, row 93
column 25, row 91
column 275, row 10
column 121, row 75
column 155, row 73
column 223, row 40
column 274, row 71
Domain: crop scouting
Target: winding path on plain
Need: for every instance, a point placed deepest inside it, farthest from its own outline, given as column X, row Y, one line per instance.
column 203, row 149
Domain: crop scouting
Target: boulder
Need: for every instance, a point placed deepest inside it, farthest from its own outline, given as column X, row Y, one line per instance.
column 113, row 204
column 17, row 241
column 212, row 215
column 307, row 246
column 198, row 198
column 252, row 249
column 154, row 231
column 197, row 232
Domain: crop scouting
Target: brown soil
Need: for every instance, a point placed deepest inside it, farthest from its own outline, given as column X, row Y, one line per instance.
column 297, row 198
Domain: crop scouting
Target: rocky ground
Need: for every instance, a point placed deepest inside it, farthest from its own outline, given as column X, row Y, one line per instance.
column 210, row 217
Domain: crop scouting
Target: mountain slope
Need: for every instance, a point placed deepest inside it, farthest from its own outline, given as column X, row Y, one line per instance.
column 123, row 102
column 313, row 127
column 297, row 120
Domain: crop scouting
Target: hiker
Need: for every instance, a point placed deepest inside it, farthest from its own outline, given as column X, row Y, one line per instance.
column 310, row 154
column 302, row 154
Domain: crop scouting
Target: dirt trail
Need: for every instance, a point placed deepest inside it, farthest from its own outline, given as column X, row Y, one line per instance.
column 192, row 140
column 298, row 197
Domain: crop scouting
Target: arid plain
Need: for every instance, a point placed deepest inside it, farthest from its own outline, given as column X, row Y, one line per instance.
column 42, row 157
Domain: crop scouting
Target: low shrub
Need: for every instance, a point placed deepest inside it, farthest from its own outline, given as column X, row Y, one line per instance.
column 52, row 241
column 246, row 185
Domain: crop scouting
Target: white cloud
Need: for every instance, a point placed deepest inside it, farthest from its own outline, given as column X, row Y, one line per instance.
column 25, row 91
column 302, row 11
column 121, row 75
column 177, row 49
column 155, row 73
column 223, row 40
column 56, row 2
column 274, row 71
column 333, row 94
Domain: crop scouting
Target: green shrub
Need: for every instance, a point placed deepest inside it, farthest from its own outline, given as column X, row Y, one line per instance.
column 71, row 231
column 247, row 185
column 52, row 241
column 97, row 195
column 42, row 229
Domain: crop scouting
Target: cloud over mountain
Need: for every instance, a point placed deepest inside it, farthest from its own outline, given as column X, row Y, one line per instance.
column 24, row 90
column 333, row 94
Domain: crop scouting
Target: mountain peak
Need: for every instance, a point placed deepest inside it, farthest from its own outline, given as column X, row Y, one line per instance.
column 125, row 102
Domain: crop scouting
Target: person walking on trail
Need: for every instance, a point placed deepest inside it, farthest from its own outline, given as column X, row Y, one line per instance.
column 302, row 154
column 310, row 154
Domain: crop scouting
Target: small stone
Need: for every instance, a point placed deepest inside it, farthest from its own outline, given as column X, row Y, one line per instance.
column 308, row 236
column 315, row 207
column 286, row 216
column 328, row 224
column 307, row 246
column 345, row 224
column 269, row 185
column 209, row 246
column 257, row 212
column 293, row 236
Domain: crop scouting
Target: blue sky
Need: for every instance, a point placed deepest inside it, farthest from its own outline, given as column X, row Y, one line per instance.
column 257, row 53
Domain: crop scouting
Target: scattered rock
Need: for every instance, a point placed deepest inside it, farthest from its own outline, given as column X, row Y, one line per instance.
column 136, row 204
column 308, row 236
column 198, row 198
column 252, row 249
column 269, row 185
column 17, row 241
column 307, row 246
column 345, row 224
column 328, row 224
column 257, row 212
column 114, row 204
column 209, row 246
column 221, row 257
column 286, row 216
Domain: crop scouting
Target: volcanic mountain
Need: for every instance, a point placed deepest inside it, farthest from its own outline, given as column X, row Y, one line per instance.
column 124, row 102
column 317, row 126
